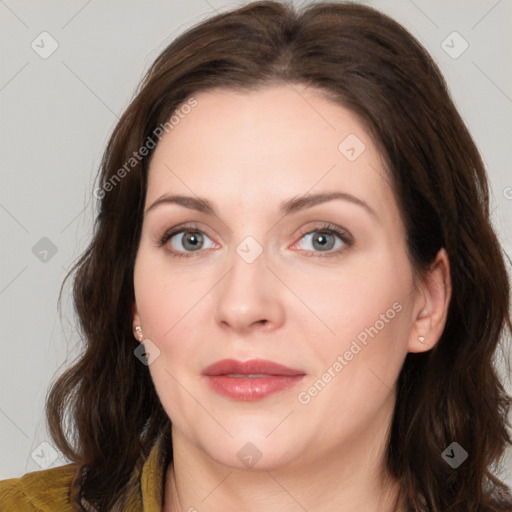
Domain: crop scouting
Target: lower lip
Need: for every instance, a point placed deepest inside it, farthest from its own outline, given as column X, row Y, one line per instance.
column 253, row 389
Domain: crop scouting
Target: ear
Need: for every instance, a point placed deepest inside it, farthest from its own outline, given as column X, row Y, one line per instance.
column 431, row 305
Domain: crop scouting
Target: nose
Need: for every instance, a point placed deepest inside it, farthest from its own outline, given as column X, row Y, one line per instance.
column 249, row 298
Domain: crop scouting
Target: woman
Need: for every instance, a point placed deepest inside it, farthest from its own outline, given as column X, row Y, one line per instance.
column 293, row 295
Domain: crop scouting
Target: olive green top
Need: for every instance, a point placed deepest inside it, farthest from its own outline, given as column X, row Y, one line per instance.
column 49, row 490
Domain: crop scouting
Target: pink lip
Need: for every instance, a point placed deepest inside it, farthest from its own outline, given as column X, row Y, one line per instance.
column 268, row 378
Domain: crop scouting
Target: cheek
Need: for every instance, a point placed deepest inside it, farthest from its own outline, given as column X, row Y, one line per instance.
column 366, row 306
column 167, row 302
column 364, row 293
column 164, row 295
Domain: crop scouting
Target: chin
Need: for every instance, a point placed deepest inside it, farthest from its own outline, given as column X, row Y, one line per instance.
column 253, row 444
column 246, row 453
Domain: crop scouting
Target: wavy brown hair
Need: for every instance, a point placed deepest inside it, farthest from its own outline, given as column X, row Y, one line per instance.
column 104, row 413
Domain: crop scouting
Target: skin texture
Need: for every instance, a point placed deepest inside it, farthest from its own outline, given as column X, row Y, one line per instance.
column 247, row 153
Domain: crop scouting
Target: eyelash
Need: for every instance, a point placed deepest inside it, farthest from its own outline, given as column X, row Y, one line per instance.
column 343, row 235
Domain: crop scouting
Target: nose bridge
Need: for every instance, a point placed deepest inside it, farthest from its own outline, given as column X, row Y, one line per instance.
column 249, row 293
column 248, row 263
column 246, row 282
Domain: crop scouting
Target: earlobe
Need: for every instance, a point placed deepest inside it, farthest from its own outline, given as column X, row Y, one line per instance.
column 433, row 300
column 137, row 329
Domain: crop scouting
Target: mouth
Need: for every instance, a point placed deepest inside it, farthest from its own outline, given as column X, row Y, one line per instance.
column 250, row 380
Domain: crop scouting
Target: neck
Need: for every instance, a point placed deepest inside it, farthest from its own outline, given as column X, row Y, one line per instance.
column 273, row 491
column 352, row 477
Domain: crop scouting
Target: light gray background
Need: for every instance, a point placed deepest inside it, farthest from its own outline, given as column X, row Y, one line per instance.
column 57, row 113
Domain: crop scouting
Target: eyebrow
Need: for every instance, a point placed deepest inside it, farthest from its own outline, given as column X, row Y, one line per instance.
column 293, row 205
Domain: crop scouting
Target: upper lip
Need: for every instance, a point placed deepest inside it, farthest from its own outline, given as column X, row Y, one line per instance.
column 251, row 367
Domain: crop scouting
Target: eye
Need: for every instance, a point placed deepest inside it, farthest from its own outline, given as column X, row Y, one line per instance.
column 327, row 239
column 186, row 239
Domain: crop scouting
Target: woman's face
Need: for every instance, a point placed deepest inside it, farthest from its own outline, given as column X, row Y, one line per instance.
column 299, row 259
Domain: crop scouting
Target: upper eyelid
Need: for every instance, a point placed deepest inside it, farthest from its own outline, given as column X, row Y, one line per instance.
column 302, row 231
column 327, row 226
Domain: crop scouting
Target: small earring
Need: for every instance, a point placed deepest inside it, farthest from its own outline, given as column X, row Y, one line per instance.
column 421, row 339
column 138, row 332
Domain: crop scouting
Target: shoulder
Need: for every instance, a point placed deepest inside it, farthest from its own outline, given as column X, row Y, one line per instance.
column 41, row 491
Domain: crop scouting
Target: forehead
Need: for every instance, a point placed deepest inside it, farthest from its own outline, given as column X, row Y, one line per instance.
column 267, row 145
